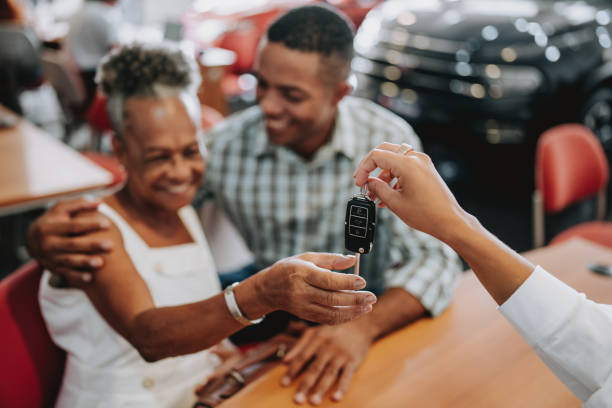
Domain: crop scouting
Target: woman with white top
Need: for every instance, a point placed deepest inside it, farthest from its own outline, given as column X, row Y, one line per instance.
column 157, row 296
column 570, row 333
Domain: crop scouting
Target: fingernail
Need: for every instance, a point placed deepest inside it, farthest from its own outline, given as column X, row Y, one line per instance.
column 359, row 283
column 95, row 262
column 286, row 381
column 106, row 245
column 370, row 298
column 316, row 399
column 299, row 398
column 86, row 277
column 337, row 395
column 104, row 224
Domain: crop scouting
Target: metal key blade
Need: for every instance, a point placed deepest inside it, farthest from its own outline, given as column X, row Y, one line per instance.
column 356, row 268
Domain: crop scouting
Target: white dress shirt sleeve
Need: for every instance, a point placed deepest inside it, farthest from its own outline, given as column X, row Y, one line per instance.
column 571, row 334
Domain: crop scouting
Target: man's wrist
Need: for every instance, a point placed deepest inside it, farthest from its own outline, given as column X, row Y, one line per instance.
column 367, row 326
column 395, row 309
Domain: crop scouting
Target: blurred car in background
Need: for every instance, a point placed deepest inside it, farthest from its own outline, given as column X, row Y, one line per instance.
column 480, row 80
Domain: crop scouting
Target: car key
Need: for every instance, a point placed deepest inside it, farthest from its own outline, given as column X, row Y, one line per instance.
column 359, row 225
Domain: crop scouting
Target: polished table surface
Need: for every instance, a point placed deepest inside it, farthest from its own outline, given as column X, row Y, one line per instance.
column 35, row 168
column 467, row 357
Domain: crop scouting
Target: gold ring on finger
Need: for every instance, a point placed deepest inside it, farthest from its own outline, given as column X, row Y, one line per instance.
column 404, row 149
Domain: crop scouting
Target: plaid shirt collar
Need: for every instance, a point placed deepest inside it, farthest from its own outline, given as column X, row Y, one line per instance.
column 342, row 140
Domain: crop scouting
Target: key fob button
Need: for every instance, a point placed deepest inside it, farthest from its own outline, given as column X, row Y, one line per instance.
column 359, row 222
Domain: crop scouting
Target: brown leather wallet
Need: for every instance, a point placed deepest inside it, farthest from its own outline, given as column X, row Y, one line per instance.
column 256, row 363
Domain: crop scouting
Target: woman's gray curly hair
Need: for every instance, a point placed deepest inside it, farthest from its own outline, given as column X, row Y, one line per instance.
column 156, row 71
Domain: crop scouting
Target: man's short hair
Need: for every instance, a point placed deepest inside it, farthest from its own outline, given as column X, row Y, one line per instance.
column 319, row 29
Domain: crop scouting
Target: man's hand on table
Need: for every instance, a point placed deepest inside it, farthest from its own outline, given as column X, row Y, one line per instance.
column 60, row 242
column 330, row 355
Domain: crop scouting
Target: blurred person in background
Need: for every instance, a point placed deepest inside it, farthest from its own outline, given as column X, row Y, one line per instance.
column 570, row 333
column 157, row 296
column 20, row 66
column 282, row 171
column 93, row 32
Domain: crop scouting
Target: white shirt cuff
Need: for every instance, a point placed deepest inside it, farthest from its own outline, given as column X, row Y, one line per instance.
column 540, row 306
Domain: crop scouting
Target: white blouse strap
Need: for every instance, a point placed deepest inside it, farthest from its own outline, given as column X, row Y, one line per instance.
column 127, row 232
column 193, row 224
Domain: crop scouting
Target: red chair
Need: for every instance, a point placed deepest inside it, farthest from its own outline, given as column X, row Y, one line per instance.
column 98, row 121
column 97, row 116
column 101, row 126
column 245, row 34
column 31, row 364
column 571, row 167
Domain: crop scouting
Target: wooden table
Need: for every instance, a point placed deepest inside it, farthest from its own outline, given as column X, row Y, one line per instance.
column 468, row 357
column 36, row 168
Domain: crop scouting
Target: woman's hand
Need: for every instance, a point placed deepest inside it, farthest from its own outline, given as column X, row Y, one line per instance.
column 305, row 286
column 419, row 197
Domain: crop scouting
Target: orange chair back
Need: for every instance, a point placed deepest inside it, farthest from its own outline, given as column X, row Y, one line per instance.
column 210, row 117
column 31, row 364
column 244, row 38
column 570, row 166
column 97, row 115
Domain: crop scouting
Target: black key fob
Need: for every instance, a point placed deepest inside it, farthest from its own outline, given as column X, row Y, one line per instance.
column 359, row 224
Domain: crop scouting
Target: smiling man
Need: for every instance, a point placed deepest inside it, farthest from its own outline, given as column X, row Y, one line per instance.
column 283, row 170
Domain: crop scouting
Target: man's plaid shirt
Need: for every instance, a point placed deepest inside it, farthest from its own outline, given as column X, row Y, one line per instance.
column 283, row 205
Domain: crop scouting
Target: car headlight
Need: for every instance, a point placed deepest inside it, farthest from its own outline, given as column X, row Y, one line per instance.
column 512, row 80
column 499, row 81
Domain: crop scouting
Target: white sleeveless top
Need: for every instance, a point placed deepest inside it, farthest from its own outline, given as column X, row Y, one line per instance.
column 102, row 368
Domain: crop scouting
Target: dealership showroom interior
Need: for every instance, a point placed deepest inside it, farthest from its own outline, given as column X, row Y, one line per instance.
column 336, row 203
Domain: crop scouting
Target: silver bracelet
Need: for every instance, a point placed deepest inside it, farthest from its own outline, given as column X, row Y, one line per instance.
column 232, row 306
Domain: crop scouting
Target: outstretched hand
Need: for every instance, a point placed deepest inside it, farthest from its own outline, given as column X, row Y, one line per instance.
column 305, row 286
column 419, row 197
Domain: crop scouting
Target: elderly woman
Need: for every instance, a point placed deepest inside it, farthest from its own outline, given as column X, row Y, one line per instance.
column 158, row 296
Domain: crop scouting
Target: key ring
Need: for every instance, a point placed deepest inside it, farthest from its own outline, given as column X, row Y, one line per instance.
column 363, row 190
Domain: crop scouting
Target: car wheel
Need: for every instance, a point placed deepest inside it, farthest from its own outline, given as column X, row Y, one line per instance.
column 597, row 115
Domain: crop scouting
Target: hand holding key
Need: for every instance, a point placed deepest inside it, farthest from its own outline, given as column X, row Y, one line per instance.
column 419, row 197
